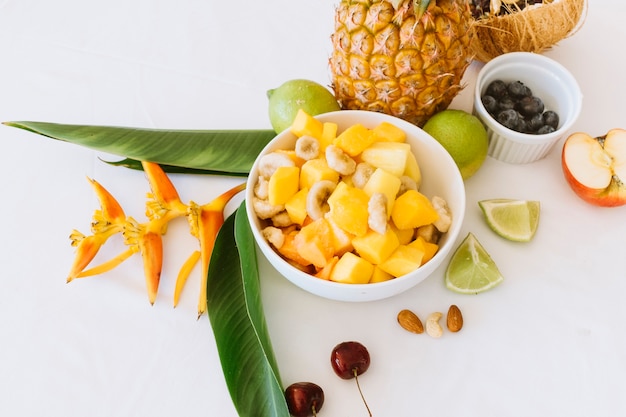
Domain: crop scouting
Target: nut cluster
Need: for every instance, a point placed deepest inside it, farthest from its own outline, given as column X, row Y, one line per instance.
column 409, row 321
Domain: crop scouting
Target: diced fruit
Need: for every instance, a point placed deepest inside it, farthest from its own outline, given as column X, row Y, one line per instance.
column 405, row 236
column 354, row 139
column 379, row 275
column 348, row 209
column 289, row 250
column 390, row 156
column 387, row 132
column 413, row 209
column 313, row 243
column 429, row 249
column 283, row 185
column 316, row 170
column 296, row 206
column 412, row 169
column 381, row 181
column 292, row 155
column 342, row 240
column 305, row 124
column 351, row 269
column 329, row 134
column 324, row 273
column 403, row 260
column 375, row 247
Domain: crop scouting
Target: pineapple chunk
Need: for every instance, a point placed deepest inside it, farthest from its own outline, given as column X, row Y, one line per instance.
column 412, row 169
column 403, row 260
column 429, row 249
column 413, row 209
column 329, row 134
column 354, row 139
column 348, row 209
column 390, row 156
column 305, row 124
column 388, row 132
column 374, row 247
column 351, row 269
column 296, row 206
column 313, row 243
column 379, row 275
column 283, row 185
column 316, row 170
column 385, row 183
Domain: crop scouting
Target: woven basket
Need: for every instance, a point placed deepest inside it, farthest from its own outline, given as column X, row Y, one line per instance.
column 533, row 29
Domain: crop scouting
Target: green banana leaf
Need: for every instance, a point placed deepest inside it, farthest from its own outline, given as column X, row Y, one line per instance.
column 226, row 151
column 236, row 314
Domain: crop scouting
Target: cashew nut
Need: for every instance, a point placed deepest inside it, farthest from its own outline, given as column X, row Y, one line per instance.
column 433, row 328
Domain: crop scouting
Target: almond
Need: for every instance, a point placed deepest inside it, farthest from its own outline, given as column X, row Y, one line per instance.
column 454, row 320
column 410, row 322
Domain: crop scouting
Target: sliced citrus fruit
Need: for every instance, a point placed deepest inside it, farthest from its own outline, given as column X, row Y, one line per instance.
column 471, row 270
column 515, row 220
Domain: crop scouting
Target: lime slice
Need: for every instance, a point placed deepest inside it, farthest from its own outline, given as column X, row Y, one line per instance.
column 471, row 270
column 515, row 220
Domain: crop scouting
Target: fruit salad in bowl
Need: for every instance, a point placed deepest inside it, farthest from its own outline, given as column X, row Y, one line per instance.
column 355, row 205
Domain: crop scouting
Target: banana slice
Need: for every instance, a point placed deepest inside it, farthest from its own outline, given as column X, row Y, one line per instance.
column 307, row 147
column 339, row 160
column 272, row 161
column 317, row 199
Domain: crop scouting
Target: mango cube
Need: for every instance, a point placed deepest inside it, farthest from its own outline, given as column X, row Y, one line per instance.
column 315, row 170
column 374, row 247
column 413, row 209
column 402, row 261
column 324, row 273
column 379, row 275
column 405, row 236
column 329, row 134
column 412, row 169
column 388, row 132
column 354, row 139
column 352, row 269
column 305, row 124
column 348, row 209
column 342, row 240
column 430, row 249
column 390, row 156
column 313, row 243
column 283, row 184
column 381, row 181
column 289, row 251
column 296, row 206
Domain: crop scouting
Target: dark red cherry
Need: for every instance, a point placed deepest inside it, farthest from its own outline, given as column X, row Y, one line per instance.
column 349, row 359
column 304, row 399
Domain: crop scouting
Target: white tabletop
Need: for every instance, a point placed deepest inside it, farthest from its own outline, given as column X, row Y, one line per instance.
column 549, row 340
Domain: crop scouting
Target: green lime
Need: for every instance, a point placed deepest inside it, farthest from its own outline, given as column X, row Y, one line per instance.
column 286, row 100
column 464, row 137
column 471, row 270
column 515, row 220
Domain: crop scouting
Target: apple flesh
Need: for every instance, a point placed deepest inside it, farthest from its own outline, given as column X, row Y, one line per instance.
column 595, row 168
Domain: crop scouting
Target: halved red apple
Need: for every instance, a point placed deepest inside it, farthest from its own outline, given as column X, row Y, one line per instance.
column 595, row 168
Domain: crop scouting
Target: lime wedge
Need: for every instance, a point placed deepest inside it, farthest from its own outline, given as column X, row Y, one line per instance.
column 515, row 220
column 471, row 270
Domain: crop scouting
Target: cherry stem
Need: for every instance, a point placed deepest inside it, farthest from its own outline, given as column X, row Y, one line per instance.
column 356, row 378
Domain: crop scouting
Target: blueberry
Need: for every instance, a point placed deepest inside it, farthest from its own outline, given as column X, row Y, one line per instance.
column 506, row 103
column 517, row 89
column 490, row 103
column 496, row 89
column 530, row 106
column 545, row 129
column 535, row 122
column 551, row 118
column 509, row 118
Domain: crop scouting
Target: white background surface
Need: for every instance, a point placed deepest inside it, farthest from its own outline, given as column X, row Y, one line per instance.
column 550, row 340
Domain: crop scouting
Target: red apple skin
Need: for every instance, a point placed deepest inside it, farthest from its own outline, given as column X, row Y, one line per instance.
column 612, row 196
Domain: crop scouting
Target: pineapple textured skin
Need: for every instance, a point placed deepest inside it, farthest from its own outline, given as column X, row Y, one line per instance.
column 388, row 60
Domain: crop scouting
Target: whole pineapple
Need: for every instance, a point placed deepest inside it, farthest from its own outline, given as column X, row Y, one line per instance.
column 401, row 57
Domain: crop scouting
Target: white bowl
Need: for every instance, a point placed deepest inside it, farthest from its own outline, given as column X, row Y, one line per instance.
column 440, row 177
column 548, row 80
